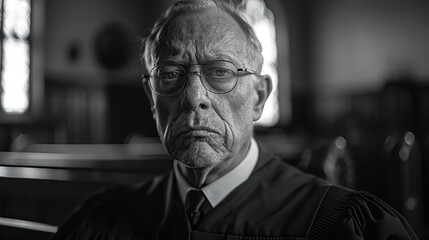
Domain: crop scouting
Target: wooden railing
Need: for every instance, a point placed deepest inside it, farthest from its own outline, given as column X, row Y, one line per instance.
column 39, row 189
column 29, row 225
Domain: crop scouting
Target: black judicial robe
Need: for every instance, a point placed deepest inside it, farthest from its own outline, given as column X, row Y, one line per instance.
column 276, row 202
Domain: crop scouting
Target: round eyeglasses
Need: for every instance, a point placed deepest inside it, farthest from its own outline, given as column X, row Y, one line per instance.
column 217, row 77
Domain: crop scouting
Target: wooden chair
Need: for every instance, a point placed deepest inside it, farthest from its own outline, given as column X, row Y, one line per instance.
column 330, row 159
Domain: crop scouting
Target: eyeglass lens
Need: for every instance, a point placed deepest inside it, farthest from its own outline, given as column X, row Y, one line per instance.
column 217, row 77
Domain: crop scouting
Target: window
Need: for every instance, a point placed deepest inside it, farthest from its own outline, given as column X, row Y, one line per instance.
column 15, row 56
column 262, row 21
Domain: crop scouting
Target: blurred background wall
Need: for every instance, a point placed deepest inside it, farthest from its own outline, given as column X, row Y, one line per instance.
column 334, row 51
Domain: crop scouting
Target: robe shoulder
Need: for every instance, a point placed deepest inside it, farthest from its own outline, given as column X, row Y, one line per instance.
column 349, row 214
column 119, row 206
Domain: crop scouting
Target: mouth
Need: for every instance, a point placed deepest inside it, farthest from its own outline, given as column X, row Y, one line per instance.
column 197, row 133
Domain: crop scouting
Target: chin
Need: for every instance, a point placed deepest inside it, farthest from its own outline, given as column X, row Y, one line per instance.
column 198, row 155
column 190, row 163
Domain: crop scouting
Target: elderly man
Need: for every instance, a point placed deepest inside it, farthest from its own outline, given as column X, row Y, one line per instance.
column 205, row 88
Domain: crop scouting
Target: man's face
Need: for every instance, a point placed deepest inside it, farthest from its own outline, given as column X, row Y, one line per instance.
column 200, row 128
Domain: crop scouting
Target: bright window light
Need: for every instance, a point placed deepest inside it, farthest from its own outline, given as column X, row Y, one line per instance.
column 262, row 21
column 15, row 52
column 17, row 18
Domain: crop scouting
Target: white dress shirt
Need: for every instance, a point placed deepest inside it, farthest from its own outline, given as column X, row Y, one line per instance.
column 216, row 191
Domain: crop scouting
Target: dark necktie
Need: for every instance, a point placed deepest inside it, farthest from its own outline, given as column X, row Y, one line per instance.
column 193, row 205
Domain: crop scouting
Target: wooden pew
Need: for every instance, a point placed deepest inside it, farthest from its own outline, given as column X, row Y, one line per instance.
column 39, row 189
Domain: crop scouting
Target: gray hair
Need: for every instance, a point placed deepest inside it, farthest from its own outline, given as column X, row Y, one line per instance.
column 254, row 50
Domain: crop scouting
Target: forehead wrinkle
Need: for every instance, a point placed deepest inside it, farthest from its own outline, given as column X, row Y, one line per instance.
column 196, row 51
column 225, row 47
column 209, row 55
column 173, row 50
column 187, row 39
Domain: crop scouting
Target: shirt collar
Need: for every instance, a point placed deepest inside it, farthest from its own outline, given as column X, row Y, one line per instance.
column 216, row 191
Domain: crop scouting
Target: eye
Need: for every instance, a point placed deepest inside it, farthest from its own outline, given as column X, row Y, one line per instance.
column 169, row 76
column 219, row 72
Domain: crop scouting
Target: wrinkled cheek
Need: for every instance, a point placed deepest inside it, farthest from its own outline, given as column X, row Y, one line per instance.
column 164, row 124
column 166, row 133
column 241, row 125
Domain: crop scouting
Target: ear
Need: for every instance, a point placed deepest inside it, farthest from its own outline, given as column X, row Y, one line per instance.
column 148, row 93
column 263, row 88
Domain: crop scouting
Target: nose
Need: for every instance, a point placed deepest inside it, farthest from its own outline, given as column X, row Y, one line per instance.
column 195, row 94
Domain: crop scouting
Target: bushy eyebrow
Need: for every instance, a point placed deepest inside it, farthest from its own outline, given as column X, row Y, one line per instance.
column 206, row 58
column 221, row 56
column 173, row 59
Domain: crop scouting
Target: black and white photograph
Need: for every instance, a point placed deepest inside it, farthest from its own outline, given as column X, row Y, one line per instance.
column 214, row 120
